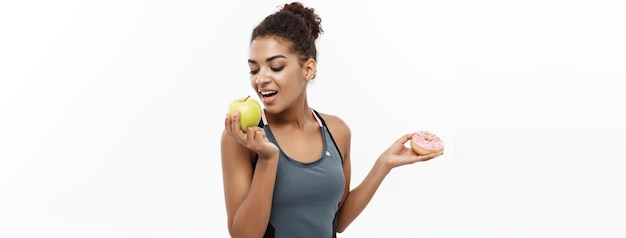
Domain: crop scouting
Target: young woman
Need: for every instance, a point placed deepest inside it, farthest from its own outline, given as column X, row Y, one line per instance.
column 290, row 176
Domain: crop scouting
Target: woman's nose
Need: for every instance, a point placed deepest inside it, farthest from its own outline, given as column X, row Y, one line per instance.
column 263, row 77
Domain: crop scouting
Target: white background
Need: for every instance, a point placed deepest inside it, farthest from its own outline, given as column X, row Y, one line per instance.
column 111, row 114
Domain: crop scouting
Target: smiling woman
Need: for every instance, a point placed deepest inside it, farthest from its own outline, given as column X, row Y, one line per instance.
column 110, row 112
column 290, row 175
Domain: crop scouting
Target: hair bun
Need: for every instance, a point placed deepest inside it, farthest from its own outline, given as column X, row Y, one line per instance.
column 308, row 14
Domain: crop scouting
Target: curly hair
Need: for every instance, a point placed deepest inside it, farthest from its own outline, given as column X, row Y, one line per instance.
column 297, row 24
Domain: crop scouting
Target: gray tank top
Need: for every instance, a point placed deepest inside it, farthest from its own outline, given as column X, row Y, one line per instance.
column 306, row 195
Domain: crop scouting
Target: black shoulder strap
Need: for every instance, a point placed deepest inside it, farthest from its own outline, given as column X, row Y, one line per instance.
column 261, row 123
column 331, row 134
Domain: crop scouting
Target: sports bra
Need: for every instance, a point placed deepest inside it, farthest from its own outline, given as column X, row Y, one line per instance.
column 306, row 196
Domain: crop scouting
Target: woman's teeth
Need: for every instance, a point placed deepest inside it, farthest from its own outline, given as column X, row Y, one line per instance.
column 268, row 93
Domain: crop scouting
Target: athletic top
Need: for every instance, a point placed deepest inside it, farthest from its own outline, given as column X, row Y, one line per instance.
column 306, row 195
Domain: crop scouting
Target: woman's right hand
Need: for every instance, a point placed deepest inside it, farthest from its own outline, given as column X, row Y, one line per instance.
column 254, row 138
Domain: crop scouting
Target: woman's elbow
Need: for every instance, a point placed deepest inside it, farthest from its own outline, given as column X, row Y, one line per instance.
column 244, row 232
column 341, row 229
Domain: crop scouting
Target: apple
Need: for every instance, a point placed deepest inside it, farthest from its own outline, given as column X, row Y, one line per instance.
column 249, row 112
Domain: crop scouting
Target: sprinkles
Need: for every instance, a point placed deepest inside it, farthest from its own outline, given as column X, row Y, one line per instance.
column 425, row 142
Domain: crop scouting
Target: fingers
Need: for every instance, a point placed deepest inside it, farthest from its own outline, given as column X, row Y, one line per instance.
column 227, row 123
column 233, row 127
column 414, row 157
column 428, row 156
column 236, row 122
column 256, row 140
column 254, row 136
column 404, row 139
column 250, row 135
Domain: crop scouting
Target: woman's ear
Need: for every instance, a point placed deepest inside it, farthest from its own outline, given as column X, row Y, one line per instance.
column 310, row 69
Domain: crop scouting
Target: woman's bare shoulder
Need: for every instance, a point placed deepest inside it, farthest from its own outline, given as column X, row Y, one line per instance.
column 337, row 127
column 233, row 150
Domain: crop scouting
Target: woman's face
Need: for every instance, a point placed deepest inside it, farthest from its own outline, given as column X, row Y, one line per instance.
column 276, row 73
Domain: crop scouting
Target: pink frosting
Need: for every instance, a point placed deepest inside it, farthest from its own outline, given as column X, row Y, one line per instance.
column 427, row 141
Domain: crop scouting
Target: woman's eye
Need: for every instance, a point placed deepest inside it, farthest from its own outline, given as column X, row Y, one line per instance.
column 278, row 68
column 254, row 71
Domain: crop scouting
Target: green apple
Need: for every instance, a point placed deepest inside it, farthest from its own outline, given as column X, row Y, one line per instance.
column 249, row 112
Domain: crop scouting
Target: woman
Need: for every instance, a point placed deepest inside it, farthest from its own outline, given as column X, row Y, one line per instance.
column 290, row 176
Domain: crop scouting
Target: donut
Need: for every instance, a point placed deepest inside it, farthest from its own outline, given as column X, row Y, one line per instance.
column 424, row 142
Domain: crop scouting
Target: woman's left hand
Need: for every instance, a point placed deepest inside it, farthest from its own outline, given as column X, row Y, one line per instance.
column 398, row 154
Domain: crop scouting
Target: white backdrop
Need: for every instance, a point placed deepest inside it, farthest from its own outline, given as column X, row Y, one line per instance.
column 111, row 114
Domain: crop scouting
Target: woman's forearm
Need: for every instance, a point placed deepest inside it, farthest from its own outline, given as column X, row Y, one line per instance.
column 253, row 214
column 360, row 196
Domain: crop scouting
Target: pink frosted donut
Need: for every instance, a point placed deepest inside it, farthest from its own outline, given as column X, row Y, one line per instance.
column 424, row 142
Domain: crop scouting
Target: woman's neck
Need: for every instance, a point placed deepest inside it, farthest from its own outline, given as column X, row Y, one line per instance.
column 296, row 116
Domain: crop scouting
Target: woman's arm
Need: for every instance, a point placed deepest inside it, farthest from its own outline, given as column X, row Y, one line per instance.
column 355, row 201
column 396, row 155
column 248, row 198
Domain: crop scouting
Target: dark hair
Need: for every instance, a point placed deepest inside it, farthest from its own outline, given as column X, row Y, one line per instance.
column 297, row 24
